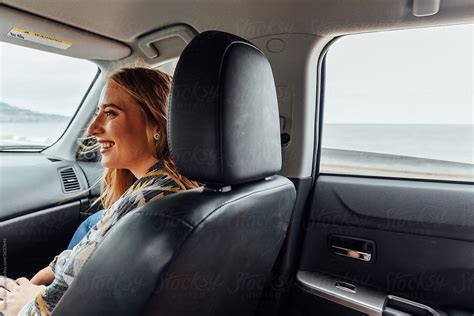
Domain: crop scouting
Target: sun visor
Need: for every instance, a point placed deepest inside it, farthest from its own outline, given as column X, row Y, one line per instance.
column 25, row 29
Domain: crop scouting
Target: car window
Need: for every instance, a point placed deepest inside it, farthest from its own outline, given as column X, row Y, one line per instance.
column 400, row 104
column 168, row 67
column 39, row 94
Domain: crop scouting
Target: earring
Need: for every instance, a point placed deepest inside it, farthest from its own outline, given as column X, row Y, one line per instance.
column 156, row 136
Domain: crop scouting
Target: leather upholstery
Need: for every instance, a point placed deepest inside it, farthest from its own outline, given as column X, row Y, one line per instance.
column 223, row 119
column 198, row 252
column 203, row 251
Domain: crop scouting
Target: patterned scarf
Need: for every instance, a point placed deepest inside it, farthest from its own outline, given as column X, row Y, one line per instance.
column 153, row 185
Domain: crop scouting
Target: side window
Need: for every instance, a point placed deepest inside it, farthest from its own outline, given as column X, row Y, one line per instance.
column 168, row 67
column 39, row 94
column 400, row 104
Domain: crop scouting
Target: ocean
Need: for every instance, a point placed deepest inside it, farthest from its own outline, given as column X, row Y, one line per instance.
column 447, row 142
column 39, row 133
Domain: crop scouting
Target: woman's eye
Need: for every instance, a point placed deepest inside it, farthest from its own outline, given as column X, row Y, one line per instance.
column 109, row 114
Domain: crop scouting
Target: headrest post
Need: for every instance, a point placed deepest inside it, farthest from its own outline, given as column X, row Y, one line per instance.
column 219, row 189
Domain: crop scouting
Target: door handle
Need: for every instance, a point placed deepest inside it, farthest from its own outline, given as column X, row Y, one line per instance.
column 352, row 247
column 364, row 256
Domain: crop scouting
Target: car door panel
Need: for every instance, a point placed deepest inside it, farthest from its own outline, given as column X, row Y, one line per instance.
column 423, row 234
column 416, row 207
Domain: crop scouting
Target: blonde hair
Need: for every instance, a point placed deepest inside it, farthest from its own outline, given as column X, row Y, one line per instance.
column 150, row 89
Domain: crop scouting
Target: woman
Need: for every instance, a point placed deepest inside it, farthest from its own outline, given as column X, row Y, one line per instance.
column 130, row 127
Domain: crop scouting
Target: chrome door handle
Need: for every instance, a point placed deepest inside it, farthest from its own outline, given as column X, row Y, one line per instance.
column 351, row 253
column 352, row 247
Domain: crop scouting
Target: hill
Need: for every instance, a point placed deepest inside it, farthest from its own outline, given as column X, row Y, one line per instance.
column 9, row 113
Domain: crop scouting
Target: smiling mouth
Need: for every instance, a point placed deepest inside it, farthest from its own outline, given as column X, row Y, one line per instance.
column 106, row 145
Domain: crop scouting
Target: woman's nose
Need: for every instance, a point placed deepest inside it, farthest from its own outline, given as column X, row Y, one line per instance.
column 95, row 127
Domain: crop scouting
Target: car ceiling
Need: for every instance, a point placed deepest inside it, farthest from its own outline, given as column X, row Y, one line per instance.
column 126, row 20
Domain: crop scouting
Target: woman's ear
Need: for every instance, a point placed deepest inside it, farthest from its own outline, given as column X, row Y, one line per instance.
column 156, row 132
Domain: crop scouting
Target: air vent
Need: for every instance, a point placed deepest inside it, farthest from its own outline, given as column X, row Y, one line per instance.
column 69, row 180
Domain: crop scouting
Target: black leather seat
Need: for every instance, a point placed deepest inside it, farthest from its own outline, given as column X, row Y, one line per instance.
column 207, row 251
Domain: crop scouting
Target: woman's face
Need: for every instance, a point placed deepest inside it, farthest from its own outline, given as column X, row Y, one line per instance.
column 120, row 129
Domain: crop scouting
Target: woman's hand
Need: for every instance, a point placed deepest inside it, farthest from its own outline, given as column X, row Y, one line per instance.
column 16, row 294
column 43, row 277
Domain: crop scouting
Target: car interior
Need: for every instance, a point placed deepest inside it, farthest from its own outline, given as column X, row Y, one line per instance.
column 285, row 223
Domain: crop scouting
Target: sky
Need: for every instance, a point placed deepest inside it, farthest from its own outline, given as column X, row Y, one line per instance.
column 55, row 84
column 422, row 76
column 411, row 76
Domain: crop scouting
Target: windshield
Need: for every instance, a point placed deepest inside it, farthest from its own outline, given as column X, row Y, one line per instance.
column 39, row 94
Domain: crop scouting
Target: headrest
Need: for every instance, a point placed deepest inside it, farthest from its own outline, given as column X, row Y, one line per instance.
column 223, row 123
